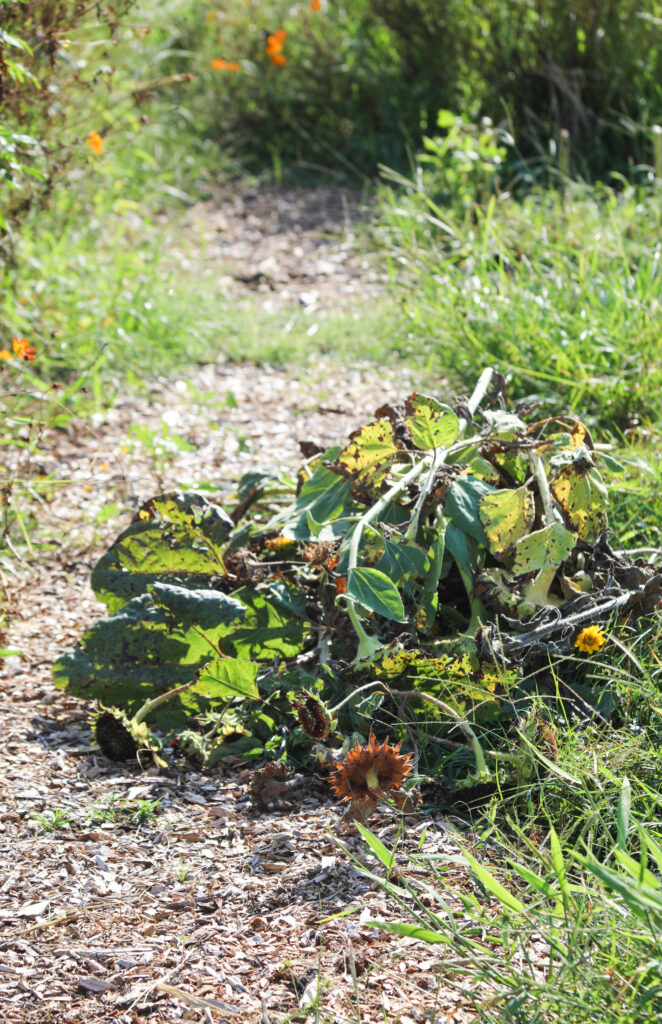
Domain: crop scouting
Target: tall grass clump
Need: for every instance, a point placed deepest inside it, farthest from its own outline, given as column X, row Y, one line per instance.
column 559, row 288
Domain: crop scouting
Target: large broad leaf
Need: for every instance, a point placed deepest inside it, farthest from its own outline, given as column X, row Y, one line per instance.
column 462, row 547
column 581, row 493
column 543, row 549
column 430, row 424
column 205, row 609
column 223, row 680
column 370, row 454
column 372, row 589
column 401, row 560
column 462, row 503
column 506, row 516
column 176, row 538
column 143, row 650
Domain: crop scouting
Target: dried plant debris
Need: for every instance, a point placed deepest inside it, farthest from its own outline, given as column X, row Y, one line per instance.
column 467, row 544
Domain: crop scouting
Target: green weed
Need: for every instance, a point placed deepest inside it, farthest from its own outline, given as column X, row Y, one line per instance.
column 131, row 813
column 52, row 819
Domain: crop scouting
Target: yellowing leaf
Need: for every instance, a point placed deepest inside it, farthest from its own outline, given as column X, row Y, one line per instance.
column 580, row 491
column 430, row 424
column 543, row 549
column 506, row 516
column 369, row 455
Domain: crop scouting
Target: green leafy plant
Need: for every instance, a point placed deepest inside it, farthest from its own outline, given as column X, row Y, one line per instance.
column 132, row 813
column 453, row 550
column 52, row 819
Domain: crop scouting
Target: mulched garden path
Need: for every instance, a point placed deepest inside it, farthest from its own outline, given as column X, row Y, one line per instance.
column 215, row 908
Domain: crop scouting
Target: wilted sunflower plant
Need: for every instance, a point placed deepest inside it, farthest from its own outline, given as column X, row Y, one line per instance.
column 408, row 588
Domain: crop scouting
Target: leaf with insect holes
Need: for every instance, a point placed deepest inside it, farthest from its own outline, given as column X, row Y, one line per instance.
column 372, row 589
column 543, row 549
column 430, row 424
column 506, row 516
column 370, row 454
column 581, row 493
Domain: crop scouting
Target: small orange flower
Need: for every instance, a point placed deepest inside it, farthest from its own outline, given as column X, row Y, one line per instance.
column 5, row 353
column 23, row 348
column 219, row 64
column 95, row 142
column 316, row 5
column 370, row 772
column 274, row 48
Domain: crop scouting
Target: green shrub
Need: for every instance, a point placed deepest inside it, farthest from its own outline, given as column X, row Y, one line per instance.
column 43, row 80
column 362, row 82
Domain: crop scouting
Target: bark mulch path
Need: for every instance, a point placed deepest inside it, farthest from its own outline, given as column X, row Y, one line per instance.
column 213, row 908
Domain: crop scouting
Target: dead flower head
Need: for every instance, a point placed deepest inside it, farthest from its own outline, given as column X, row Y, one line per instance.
column 370, row 772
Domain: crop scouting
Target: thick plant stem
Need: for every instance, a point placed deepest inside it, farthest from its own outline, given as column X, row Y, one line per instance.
column 152, row 705
column 551, row 514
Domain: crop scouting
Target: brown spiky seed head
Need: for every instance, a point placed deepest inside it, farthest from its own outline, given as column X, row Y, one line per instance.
column 313, row 715
column 370, row 768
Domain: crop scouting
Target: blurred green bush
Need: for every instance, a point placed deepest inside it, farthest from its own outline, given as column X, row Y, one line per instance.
column 359, row 83
column 43, row 88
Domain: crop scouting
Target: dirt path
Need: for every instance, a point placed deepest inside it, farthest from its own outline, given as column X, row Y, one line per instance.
column 213, row 908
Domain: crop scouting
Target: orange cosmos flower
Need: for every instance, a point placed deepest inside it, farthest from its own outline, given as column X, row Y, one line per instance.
column 95, row 142
column 225, row 65
column 316, row 5
column 368, row 773
column 23, row 348
column 274, row 48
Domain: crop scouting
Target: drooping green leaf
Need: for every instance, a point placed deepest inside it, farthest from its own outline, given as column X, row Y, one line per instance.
column 543, row 549
column 462, row 547
column 401, row 560
column 323, row 495
column 370, row 454
column 430, row 424
column 372, row 589
column 462, row 503
column 177, row 538
column 268, row 629
column 206, row 609
column 506, row 515
column 145, row 649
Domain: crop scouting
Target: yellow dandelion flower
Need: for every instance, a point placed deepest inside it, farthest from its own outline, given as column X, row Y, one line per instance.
column 590, row 640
